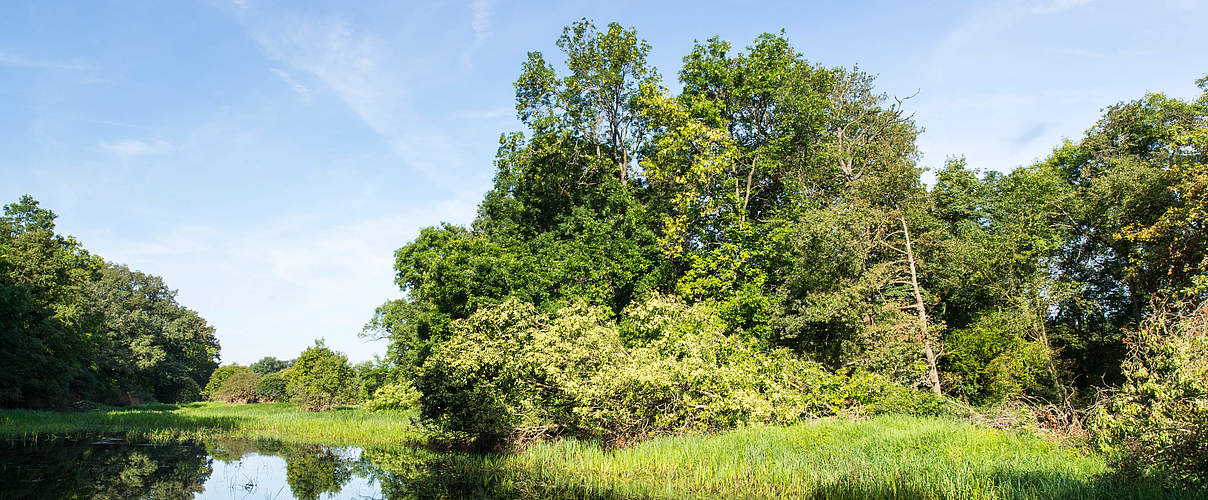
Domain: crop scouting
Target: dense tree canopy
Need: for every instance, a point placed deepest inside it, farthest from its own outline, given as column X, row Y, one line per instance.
column 784, row 199
column 74, row 327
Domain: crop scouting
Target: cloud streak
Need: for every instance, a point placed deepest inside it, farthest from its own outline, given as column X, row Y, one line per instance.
column 369, row 77
column 14, row 60
column 130, row 148
column 481, row 11
column 1056, row 6
column 297, row 87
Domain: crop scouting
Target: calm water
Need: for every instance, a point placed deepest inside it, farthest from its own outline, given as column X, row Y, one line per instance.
column 235, row 469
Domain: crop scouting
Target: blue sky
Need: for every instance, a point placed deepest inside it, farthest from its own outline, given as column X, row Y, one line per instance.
column 267, row 158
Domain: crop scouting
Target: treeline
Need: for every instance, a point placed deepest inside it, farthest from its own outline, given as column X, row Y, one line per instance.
column 318, row 379
column 760, row 247
column 75, row 328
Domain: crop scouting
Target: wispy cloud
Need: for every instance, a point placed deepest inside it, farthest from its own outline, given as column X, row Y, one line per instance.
column 15, row 60
column 129, row 148
column 369, row 77
column 482, row 10
column 298, row 88
column 1056, row 6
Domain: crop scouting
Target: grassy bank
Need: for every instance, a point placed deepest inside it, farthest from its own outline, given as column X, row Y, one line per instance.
column 198, row 421
column 886, row 457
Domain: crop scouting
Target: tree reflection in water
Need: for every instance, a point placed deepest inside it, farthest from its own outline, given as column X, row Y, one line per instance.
column 103, row 470
column 240, row 468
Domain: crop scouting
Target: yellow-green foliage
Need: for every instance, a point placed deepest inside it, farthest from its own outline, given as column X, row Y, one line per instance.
column 509, row 372
column 1157, row 424
column 393, row 396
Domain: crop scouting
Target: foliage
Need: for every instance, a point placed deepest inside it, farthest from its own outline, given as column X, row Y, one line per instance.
column 219, row 376
column 372, row 375
column 511, row 373
column 992, row 360
column 1157, row 424
column 149, row 342
column 239, row 388
column 272, row 388
column 269, row 364
column 394, row 396
column 760, row 247
column 43, row 328
column 74, row 327
column 321, row 379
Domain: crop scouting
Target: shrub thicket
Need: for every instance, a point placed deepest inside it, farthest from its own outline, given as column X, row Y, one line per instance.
column 993, row 360
column 510, row 373
column 1157, row 423
column 219, row 376
column 273, row 387
column 393, row 396
column 239, row 388
column 321, row 379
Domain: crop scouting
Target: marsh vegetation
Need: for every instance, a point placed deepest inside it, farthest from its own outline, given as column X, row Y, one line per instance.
column 743, row 289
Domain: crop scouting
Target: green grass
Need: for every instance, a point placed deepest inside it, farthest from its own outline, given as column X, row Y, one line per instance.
column 196, row 421
column 885, row 457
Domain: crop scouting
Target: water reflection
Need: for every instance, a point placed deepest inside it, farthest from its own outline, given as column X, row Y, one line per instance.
column 310, row 471
column 102, row 469
column 234, row 468
column 258, row 469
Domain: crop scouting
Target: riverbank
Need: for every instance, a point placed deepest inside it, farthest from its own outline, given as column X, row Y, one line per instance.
column 199, row 421
column 885, row 457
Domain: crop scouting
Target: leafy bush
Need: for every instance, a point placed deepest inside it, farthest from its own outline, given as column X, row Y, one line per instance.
column 885, row 397
column 992, row 360
column 273, row 387
column 321, row 379
column 220, row 375
column 1157, row 424
column 371, row 375
column 393, row 396
column 509, row 373
column 239, row 388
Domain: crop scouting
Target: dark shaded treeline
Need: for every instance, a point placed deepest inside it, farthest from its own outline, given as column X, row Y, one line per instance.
column 74, row 327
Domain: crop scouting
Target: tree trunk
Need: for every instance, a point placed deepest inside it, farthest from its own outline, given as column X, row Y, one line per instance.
column 933, row 374
column 742, row 214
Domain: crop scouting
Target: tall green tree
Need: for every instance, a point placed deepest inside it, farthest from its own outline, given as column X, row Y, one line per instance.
column 147, row 341
column 73, row 327
column 45, row 334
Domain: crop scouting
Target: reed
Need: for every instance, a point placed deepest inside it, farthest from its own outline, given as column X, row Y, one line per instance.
column 884, row 457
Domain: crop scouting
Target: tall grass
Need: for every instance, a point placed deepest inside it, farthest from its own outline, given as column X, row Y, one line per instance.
column 196, row 421
column 886, row 457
